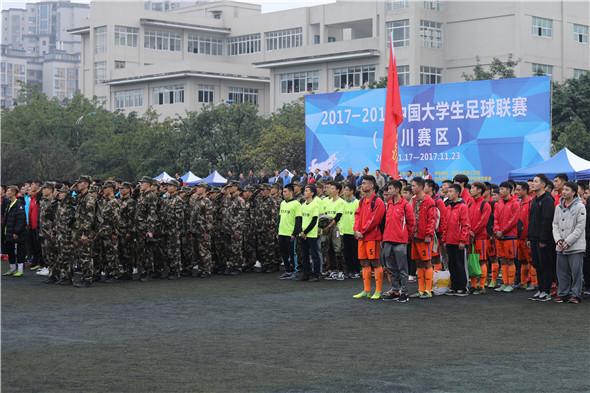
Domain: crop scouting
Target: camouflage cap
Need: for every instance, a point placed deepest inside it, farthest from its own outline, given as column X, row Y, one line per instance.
column 126, row 184
column 49, row 184
column 172, row 182
column 84, row 178
column 250, row 188
column 276, row 185
column 64, row 189
column 265, row 186
column 203, row 185
column 215, row 189
column 146, row 179
column 232, row 183
column 109, row 184
column 94, row 188
column 296, row 183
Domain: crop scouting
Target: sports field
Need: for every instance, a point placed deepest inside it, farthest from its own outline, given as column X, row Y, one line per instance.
column 255, row 333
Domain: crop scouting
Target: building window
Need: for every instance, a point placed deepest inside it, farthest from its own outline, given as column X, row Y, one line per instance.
column 331, row 39
column 578, row 73
column 432, row 5
column 128, row 98
column 205, row 45
column 430, row 75
column 168, row 94
column 243, row 44
column 72, row 82
column 100, row 39
column 316, row 39
column 119, row 64
column 283, row 39
column 357, row 76
column 397, row 4
column 581, row 34
column 100, row 72
column 239, row 95
column 403, row 75
column 126, row 36
column 542, row 69
column 205, row 93
column 59, row 83
column 542, row 27
column 431, row 34
column 162, row 40
column 401, row 33
column 298, row 82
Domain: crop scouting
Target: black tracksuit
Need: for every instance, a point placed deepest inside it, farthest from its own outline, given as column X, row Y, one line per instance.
column 541, row 233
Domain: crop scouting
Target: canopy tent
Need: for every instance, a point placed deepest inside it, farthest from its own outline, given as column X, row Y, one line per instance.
column 576, row 168
column 190, row 179
column 163, row 177
column 214, row 179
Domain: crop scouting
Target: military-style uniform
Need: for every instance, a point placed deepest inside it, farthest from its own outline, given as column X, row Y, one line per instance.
column 127, row 234
column 84, row 235
column 108, row 235
column 219, row 206
column 185, row 238
column 172, row 219
column 146, row 221
column 267, row 233
column 249, row 246
column 63, row 224
column 47, row 211
column 232, row 226
column 201, row 227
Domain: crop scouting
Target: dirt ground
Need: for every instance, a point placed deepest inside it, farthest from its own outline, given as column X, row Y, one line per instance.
column 255, row 333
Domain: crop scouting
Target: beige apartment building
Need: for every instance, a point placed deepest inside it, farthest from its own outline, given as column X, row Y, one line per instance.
column 177, row 58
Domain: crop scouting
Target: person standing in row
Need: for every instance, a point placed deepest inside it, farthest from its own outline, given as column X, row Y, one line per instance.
column 146, row 220
column 456, row 238
column 84, row 234
column 569, row 233
column 310, row 261
column 505, row 220
column 15, row 222
column 349, row 243
column 289, row 227
column 201, row 227
column 127, row 231
column 172, row 229
column 479, row 215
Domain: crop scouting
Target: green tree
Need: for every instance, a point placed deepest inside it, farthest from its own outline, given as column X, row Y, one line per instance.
column 498, row 69
column 575, row 137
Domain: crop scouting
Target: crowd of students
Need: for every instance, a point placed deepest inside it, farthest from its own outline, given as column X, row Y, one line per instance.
column 531, row 234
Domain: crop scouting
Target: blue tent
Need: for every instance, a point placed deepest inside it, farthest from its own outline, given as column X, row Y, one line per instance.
column 163, row 177
column 214, row 179
column 190, row 179
column 576, row 168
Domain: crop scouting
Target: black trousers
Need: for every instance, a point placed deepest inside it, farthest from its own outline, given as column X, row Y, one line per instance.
column 351, row 260
column 457, row 267
column 586, row 269
column 411, row 262
column 311, row 256
column 16, row 252
column 544, row 261
column 286, row 248
column 35, row 251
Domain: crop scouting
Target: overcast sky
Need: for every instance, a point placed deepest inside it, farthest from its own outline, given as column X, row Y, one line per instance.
column 267, row 5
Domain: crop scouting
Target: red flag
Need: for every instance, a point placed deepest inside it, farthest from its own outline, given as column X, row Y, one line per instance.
column 393, row 118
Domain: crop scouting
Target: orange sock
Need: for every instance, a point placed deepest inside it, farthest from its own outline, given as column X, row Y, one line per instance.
column 428, row 275
column 495, row 271
column 533, row 275
column 421, row 282
column 505, row 274
column 484, row 275
column 473, row 281
column 367, row 278
column 524, row 273
column 378, row 279
column 437, row 267
column 511, row 274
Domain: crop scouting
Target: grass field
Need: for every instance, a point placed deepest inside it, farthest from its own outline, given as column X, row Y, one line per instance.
column 255, row 333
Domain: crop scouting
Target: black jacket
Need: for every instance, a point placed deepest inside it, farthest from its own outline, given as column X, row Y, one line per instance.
column 541, row 219
column 15, row 222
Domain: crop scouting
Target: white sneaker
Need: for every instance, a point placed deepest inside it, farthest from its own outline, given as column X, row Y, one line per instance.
column 258, row 264
column 340, row 276
column 411, row 278
column 42, row 272
column 331, row 276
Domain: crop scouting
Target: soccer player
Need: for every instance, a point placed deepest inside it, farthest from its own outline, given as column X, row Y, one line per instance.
column 528, row 274
column 334, row 208
column 289, row 226
column 505, row 220
column 367, row 231
column 479, row 215
column 456, row 238
column 462, row 181
column 425, row 212
column 309, row 236
column 431, row 189
column 351, row 264
column 399, row 222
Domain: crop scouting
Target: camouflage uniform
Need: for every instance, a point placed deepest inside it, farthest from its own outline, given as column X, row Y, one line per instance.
column 63, row 224
column 185, row 239
column 98, row 257
column 108, row 236
column 267, row 233
column 172, row 228
column 233, row 218
column 84, row 226
column 127, row 234
column 219, row 206
column 47, row 210
column 146, row 221
column 249, row 246
column 201, row 226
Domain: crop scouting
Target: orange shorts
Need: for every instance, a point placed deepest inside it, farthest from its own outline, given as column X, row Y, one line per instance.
column 523, row 252
column 421, row 251
column 482, row 248
column 368, row 249
column 506, row 248
column 491, row 249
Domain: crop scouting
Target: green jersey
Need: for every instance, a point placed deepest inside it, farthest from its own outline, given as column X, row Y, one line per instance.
column 289, row 211
column 347, row 220
column 309, row 210
column 334, row 207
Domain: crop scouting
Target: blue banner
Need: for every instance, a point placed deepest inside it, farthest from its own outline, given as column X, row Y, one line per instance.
column 483, row 129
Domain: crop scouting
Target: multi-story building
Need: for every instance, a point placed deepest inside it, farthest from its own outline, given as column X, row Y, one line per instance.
column 177, row 58
column 37, row 39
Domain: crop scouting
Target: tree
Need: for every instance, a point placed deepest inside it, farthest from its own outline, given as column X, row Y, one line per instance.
column 575, row 137
column 497, row 69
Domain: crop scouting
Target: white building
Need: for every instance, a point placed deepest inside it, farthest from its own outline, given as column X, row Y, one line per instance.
column 177, row 58
column 36, row 38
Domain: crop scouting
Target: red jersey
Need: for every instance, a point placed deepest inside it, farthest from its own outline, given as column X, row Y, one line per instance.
column 425, row 213
column 506, row 217
column 457, row 227
column 479, row 215
column 399, row 221
column 523, row 218
column 368, row 216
